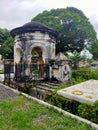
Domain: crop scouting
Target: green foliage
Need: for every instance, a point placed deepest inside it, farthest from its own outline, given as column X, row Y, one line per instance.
column 35, row 72
column 85, row 74
column 86, row 111
column 75, row 59
column 64, row 103
column 94, row 50
column 89, row 112
column 23, row 114
column 6, row 44
column 4, row 34
column 31, row 85
column 63, row 85
column 73, row 26
column 95, row 112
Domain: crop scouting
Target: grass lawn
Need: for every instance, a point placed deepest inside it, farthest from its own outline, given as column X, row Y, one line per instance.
column 23, row 114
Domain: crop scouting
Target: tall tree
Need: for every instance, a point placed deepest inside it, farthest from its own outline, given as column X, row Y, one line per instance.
column 76, row 32
column 6, row 44
column 4, row 34
column 94, row 50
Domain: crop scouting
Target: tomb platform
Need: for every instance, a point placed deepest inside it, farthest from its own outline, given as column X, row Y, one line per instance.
column 85, row 92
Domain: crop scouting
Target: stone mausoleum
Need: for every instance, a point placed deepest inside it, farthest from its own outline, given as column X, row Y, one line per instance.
column 35, row 49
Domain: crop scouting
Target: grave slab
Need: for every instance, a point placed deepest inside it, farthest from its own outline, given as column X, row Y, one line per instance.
column 85, row 92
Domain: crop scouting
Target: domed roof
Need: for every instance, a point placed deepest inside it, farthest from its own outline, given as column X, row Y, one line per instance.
column 32, row 27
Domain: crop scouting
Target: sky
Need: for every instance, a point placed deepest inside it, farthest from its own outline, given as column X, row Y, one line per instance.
column 15, row 13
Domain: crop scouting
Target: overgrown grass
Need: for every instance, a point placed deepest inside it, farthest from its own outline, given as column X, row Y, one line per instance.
column 78, row 76
column 81, row 109
column 84, row 74
column 23, row 114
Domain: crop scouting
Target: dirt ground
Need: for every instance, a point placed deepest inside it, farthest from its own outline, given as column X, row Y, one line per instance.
column 6, row 93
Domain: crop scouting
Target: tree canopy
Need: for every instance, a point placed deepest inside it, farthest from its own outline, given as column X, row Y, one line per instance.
column 75, row 30
column 94, row 50
column 4, row 34
column 6, row 44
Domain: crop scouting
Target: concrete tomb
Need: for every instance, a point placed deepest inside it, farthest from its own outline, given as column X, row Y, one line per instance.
column 85, row 92
column 35, row 43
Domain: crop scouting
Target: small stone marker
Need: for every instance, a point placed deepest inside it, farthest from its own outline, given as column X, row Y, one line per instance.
column 85, row 92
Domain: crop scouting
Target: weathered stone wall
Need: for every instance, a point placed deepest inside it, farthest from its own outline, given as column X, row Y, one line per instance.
column 61, row 72
column 24, row 44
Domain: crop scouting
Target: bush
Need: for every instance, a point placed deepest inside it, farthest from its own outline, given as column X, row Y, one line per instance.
column 84, row 74
column 95, row 112
column 64, row 103
column 86, row 111
column 89, row 112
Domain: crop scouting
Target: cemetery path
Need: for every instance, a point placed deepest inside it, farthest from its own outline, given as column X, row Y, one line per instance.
column 6, row 93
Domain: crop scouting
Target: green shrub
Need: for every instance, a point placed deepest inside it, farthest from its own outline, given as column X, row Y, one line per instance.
column 89, row 112
column 86, row 111
column 64, row 103
column 84, row 74
column 95, row 112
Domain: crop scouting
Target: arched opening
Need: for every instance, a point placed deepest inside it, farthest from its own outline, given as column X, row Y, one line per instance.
column 37, row 55
column 18, row 63
column 37, row 62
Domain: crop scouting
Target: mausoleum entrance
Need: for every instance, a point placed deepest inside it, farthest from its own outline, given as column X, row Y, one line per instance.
column 37, row 55
column 37, row 67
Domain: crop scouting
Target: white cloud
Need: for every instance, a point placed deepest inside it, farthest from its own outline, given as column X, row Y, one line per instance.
column 14, row 13
column 28, row 3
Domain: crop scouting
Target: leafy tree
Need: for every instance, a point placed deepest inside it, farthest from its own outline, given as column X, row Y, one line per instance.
column 94, row 50
column 6, row 44
column 76, row 32
column 4, row 34
column 75, row 59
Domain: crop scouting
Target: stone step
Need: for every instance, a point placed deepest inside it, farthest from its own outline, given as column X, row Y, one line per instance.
column 40, row 93
column 53, row 84
column 45, row 88
column 48, row 85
